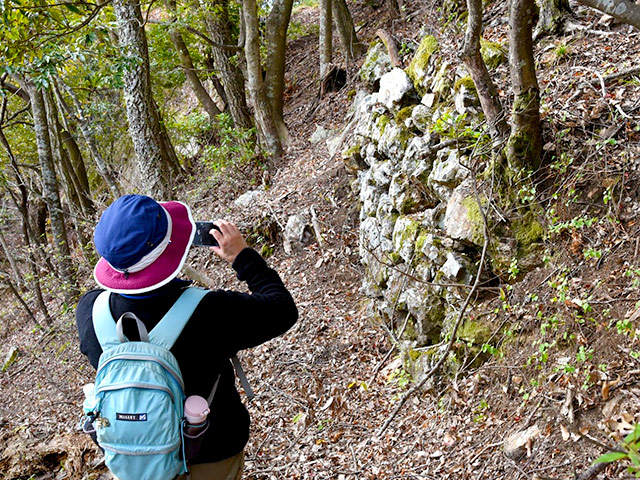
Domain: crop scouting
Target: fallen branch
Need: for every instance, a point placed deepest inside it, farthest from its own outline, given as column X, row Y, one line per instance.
column 392, row 47
column 617, row 76
column 592, row 471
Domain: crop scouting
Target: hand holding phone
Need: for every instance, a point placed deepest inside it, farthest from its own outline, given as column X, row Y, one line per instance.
column 202, row 237
column 231, row 241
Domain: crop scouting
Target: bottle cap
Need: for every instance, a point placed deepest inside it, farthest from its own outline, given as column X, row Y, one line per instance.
column 196, row 409
column 89, row 390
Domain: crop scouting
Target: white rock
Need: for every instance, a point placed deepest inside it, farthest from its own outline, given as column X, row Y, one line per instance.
column 320, row 134
column 457, row 222
column 248, row 199
column 393, row 87
column 296, row 225
column 517, row 445
column 453, row 267
column 404, row 236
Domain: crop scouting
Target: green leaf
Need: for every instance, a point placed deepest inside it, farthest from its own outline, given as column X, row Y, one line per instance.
column 73, row 8
column 610, row 457
column 633, row 436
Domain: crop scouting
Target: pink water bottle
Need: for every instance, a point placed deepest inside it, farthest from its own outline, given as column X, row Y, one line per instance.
column 196, row 410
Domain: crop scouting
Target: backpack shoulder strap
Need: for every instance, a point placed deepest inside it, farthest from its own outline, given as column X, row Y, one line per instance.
column 103, row 322
column 169, row 328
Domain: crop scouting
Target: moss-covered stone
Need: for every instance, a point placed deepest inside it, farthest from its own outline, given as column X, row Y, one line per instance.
column 474, row 332
column 353, row 160
column 404, row 237
column 528, row 232
column 402, row 115
column 376, row 64
column 382, row 123
column 493, row 54
column 475, row 219
column 419, row 65
column 351, row 151
column 441, row 82
column 466, row 82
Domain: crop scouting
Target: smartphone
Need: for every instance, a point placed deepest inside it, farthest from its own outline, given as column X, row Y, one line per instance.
column 203, row 238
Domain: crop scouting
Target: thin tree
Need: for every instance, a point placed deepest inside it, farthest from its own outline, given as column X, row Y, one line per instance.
column 269, row 135
column 346, row 31
column 22, row 205
column 524, row 148
column 186, row 62
column 277, row 25
column 86, row 129
column 473, row 62
column 325, row 37
column 50, row 189
column 219, row 27
column 60, row 157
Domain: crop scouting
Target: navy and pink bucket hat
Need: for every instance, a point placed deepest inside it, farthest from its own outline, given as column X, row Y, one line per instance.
column 143, row 243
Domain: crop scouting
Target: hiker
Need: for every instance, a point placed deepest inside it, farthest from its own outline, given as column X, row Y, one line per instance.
column 143, row 245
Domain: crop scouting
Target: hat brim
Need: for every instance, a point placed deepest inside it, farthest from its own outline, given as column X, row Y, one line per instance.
column 164, row 269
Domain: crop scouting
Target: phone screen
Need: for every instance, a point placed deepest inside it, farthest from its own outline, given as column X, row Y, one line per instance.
column 202, row 237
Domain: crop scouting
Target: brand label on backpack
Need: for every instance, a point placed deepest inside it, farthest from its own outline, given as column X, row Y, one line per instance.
column 132, row 417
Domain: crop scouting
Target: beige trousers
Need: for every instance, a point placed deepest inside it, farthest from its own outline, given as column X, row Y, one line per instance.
column 228, row 469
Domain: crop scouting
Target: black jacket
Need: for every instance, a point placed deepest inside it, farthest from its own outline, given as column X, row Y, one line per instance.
column 223, row 323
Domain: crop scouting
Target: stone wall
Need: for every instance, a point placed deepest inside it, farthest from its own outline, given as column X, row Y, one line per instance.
column 421, row 232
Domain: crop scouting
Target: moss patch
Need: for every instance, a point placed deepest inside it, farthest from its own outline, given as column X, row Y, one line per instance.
column 351, row 151
column 403, row 114
column 474, row 332
column 528, row 231
column 420, row 62
column 382, row 123
column 466, row 82
column 493, row 54
column 475, row 218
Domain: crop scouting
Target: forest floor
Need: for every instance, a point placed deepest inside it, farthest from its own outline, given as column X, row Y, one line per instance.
column 326, row 387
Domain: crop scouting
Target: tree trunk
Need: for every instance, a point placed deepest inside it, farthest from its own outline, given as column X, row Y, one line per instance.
column 215, row 81
column 217, row 21
column 268, row 131
column 187, row 65
column 473, row 62
column 623, row 10
column 75, row 156
column 50, row 191
column 524, row 148
column 153, row 160
column 87, row 133
column 78, row 167
column 60, row 157
column 552, row 14
column 325, row 37
column 277, row 25
column 346, row 30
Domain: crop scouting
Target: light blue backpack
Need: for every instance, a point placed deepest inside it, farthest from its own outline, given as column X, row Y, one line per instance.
column 139, row 392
